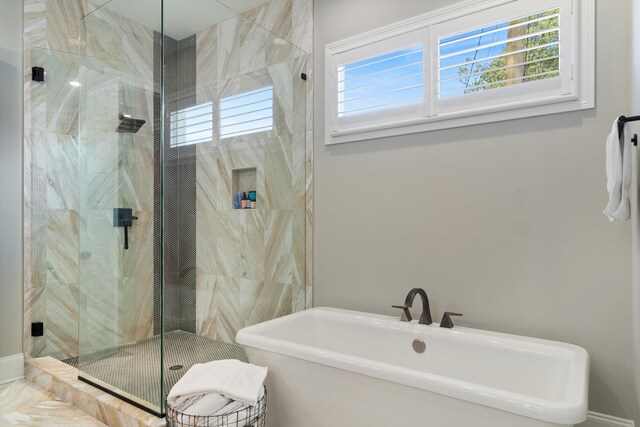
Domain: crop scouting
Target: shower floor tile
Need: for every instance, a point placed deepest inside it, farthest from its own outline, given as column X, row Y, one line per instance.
column 135, row 368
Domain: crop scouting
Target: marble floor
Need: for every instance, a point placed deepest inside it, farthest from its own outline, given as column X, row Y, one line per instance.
column 24, row 404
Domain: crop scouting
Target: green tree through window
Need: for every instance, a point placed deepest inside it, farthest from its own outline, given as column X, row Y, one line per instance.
column 527, row 63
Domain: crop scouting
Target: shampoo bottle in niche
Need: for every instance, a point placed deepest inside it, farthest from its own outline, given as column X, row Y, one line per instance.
column 252, row 199
column 237, row 200
column 246, row 203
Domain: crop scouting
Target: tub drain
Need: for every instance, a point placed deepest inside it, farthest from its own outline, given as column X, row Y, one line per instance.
column 176, row 367
column 419, row 346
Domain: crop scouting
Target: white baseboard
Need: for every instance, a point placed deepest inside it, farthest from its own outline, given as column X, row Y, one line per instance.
column 600, row 420
column 11, row 368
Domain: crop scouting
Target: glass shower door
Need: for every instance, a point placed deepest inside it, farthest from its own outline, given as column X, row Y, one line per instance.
column 234, row 98
column 117, row 177
column 176, row 123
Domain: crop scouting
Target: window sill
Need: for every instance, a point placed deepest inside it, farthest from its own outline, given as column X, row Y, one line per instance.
column 449, row 121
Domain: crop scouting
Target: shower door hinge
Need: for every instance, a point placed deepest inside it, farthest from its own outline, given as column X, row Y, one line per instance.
column 303, row 76
column 37, row 74
column 37, row 329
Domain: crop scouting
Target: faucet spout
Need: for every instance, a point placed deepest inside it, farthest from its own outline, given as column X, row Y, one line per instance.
column 425, row 317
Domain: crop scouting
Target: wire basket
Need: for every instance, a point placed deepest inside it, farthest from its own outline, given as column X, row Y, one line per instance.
column 251, row 416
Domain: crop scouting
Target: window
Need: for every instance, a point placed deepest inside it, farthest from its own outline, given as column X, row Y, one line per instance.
column 247, row 113
column 242, row 114
column 512, row 52
column 387, row 81
column 381, row 83
column 473, row 62
column 521, row 57
column 191, row 125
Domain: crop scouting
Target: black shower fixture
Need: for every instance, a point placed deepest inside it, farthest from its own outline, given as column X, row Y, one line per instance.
column 37, row 74
column 129, row 125
column 123, row 217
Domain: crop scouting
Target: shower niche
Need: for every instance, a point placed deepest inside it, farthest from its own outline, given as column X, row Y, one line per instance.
column 244, row 184
column 166, row 118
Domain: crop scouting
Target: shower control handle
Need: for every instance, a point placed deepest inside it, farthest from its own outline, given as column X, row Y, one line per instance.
column 126, row 235
column 123, row 217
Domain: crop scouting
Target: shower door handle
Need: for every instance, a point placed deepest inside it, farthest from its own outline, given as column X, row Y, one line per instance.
column 123, row 217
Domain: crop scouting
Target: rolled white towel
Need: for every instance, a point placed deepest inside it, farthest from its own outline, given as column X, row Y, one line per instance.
column 201, row 404
column 239, row 414
column 196, row 411
column 230, row 413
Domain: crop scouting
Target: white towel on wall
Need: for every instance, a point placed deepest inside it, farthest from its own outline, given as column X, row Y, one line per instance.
column 618, row 165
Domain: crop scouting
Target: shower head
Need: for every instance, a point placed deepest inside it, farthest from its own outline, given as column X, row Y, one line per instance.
column 129, row 125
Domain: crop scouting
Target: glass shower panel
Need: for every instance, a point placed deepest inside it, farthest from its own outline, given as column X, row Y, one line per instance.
column 52, row 126
column 118, row 177
column 235, row 124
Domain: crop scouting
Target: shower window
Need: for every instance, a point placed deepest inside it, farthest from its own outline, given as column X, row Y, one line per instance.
column 193, row 125
column 247, row 113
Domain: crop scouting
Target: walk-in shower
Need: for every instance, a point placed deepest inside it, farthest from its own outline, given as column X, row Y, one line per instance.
column 169, row 190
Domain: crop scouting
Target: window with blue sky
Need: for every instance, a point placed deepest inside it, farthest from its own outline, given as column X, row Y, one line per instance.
column 387, row 81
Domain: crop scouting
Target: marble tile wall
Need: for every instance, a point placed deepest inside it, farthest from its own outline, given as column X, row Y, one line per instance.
column 77, row 169
column 255, row 265
column 292, row 20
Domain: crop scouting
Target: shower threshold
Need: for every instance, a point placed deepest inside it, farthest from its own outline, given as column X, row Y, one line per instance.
column 132, row 371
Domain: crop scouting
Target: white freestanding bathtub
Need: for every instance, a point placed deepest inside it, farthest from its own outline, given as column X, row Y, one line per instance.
column 339, row 368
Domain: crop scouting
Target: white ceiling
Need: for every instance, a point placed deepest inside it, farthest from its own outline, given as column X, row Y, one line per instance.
column 182, row 18
column 242, row 5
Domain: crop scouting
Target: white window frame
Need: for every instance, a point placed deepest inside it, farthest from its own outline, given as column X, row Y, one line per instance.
column 577, row 89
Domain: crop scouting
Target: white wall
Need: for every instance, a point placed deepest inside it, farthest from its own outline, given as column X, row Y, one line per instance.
column 10, row 177
column 501, row 222
column 635, row 110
